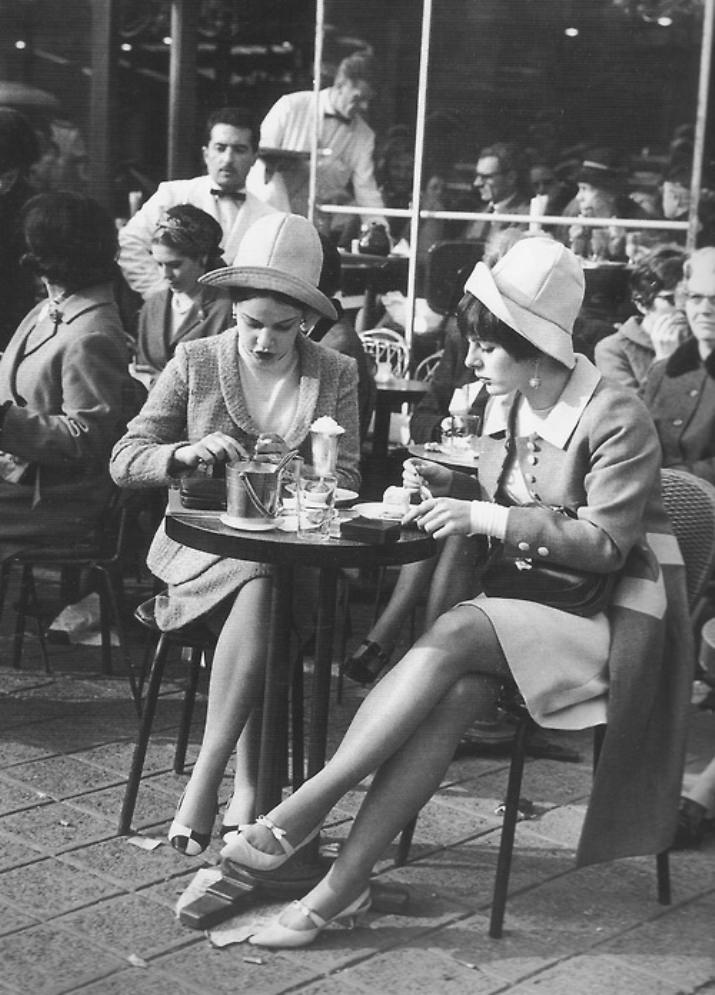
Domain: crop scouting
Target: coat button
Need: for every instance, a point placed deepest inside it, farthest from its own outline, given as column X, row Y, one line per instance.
column 542, row 551
column 693, row 393
column 523, row 547
column 531, row 446
column 531, row 477
column 677, row 422
column 533, row 460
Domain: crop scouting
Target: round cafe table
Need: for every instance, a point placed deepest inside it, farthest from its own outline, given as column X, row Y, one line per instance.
column 455, row 459
column 286, row 550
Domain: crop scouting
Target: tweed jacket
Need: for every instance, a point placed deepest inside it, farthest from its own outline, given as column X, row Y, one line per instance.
column 141, row 272
column 680, row 394
column 199, row 392
column 71, row 396
column 210, row 314
column 627, row 355
column 598, row 455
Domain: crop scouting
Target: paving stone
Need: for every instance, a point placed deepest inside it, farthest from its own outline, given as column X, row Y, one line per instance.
column 140, row 981
column 50, row 887
column 57, row 826
column 65, row 735
column 14, row 852
column 118, row 860
column 118, row 756
column 13, row 919
column 595, row 975
column 48, row 960
column 15, row 748
column 152, row 808
column 128, row 924
column 422, row 971
column 17, row 680
column 61, row 777
column 167, row 892
column 226, row 970
column 336, row 984
column 15, row 796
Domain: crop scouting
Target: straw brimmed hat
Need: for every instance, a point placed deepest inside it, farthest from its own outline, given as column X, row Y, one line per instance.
column 279, row 253
column 536, row 289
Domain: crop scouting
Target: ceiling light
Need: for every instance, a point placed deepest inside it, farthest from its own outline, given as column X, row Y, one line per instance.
column 571, row 32
column 20, row 44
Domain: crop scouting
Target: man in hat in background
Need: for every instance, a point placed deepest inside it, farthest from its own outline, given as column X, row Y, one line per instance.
column 229, row 152
column 346, row 144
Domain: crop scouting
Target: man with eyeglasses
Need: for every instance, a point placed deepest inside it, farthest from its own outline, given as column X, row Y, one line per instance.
column 501, row 182
column 346, row 144
column 680, row 391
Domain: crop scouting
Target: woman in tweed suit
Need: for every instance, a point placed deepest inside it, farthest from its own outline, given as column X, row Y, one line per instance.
column 257, row 387
column 556, row 436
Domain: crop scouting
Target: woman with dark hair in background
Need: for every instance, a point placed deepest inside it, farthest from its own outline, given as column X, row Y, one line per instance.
column 185, row 245
column 65, row 389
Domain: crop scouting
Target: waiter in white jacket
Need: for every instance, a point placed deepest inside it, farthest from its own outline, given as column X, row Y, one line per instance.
column 229, row 152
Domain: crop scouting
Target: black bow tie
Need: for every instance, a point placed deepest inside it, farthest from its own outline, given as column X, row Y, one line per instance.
column 238, row 196
column 338, row 117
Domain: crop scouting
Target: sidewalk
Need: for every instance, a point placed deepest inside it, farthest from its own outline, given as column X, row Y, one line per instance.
column 81, row 907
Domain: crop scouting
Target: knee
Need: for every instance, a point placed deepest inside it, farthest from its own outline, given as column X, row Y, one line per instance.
column 451, row 629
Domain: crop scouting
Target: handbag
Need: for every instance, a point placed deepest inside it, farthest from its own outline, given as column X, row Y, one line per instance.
column 580, row 592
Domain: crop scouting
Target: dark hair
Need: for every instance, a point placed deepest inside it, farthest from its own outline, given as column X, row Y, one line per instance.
column 358, row 66
column 236, row 117
column 511, row 159
column 329, row 282
column 238, row 294
column 192, row 232
column 71, row 239
column 19, row 146
column 475, row 319
column 661, row 269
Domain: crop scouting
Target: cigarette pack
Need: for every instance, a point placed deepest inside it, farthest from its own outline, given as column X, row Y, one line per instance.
column 370, row 530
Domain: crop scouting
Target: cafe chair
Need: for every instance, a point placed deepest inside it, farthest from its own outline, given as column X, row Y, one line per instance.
column 690, row 504
column 426, row 367
column 385, row 349
column 101, row 554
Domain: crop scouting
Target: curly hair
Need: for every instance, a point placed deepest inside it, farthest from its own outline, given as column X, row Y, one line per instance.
column 71, row 239
column 661, row 269
column 191, row 232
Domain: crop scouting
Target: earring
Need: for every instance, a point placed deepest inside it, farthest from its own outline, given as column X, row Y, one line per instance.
column 535, row 379
column 303, row 325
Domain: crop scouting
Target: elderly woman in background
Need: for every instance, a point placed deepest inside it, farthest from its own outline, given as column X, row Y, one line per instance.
column 628, row 354
column 256, row 389
column 680, row 391
column 185, row 245
column 569, row 477
column 65, row 389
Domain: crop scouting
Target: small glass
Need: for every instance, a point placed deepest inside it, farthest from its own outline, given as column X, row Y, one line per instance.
column 459, row 433
column 316, row 503
column 324, row 450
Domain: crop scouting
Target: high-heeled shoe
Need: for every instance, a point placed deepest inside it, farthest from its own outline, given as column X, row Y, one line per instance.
column 366, row 663
column 240, row 851
column 276, row 935
column 186, row 840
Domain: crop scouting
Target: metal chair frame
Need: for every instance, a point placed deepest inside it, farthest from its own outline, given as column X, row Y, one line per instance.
column 690, row 504
column 426, row 367
column 387, row 350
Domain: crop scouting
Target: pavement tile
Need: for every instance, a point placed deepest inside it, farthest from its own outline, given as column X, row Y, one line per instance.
column 18, row 680
column 594, row 974
column 119, row 861
column 15, row 796
column 226, row 970
column 47, row 960
column 18, row 711
column 421, row 970
column 152, row 806
column 168, row 891
column 141, row 981
column 13, row 919
column 336, row 984
column 61, row 777
column 128, row 924
column 16, row 748
column 15, row 851
column 117, row 757
column 57, row 826
column 50, row 887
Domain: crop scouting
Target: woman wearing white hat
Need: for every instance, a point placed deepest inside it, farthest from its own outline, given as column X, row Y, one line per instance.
column 256, row 388
column 568, row 477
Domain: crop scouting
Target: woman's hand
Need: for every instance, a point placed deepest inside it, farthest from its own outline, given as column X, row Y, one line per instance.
column 270, row 448
column 442, row 516
column 667, row 331
column 214, row 448
column 417, row 474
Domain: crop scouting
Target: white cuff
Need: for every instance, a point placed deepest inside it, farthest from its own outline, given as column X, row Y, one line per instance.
column 488, row 519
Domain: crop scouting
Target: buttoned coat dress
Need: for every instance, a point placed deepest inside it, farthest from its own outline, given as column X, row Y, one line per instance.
column 71, row 396
column 135, row 258
column 680, row 395
column 199, row 392
column 597, row 454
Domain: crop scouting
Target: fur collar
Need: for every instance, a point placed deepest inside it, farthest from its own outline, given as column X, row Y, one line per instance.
column 686, row 359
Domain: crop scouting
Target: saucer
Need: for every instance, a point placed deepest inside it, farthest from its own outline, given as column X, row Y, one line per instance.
column 249, row 524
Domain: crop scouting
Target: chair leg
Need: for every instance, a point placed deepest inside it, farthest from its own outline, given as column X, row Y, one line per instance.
column 511, row 815
column 297, row 723
column 187, row 711
column 105, row 622
column 140, row 747
column 28, row 599
column 662, row 863
column 114, row 586
column 405, row 842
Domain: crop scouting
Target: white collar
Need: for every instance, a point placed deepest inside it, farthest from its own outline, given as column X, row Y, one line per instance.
column 563, row 418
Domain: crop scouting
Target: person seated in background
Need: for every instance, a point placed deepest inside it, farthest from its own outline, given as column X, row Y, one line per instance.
column 65, row 389
column 661, row 326
column 185, row 245
column 229, row 151
column 602, row 182
column 680, row 391
column 675, row 196
column 341, row 335
column 501, row 181
column 544, row 182
column 19, row 151
column 252, row 392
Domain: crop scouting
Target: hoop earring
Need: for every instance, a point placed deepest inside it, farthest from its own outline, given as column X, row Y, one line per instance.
column 535, row 380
